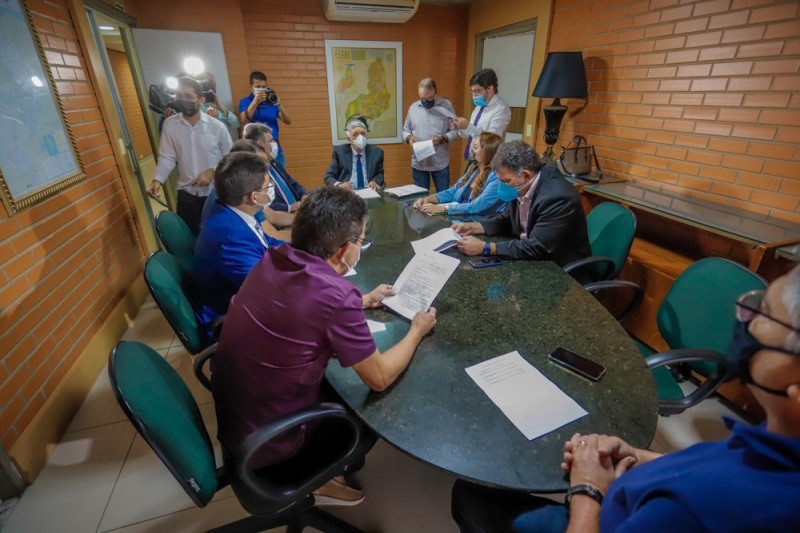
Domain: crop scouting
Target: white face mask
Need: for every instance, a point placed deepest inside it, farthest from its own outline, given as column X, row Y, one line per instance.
column 360, row 142
column 352, row 269
column 270, row 194
column 273, row 152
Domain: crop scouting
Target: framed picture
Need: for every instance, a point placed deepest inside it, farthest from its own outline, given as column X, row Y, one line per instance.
column 365, row 77
column 38, row 155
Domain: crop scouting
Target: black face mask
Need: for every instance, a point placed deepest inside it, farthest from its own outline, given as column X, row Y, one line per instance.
column 743, row 347
column 189, row 109
column 427, row 104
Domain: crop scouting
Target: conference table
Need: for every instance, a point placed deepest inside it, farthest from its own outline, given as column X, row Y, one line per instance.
column 437, row 414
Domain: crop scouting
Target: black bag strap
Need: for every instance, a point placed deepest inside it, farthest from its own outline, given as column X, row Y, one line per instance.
column 597, row 163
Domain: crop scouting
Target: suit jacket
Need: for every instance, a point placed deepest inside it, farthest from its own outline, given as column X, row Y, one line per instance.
column 278, row 204
column 556, row 225
column 342, row 165
column 226, row 251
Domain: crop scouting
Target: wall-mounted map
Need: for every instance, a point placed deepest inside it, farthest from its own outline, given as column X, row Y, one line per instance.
column 365, row 77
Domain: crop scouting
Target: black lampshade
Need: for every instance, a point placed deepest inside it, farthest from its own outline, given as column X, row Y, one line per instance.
column 563, row 76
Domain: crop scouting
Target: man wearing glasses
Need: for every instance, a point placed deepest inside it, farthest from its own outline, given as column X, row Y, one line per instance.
column 293, row 313
column 491, row 112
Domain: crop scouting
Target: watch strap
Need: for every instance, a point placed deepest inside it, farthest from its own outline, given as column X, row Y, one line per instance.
column 589, row 490
column 487, row 250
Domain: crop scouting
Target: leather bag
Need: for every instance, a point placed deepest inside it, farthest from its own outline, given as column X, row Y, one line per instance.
column 576, row 159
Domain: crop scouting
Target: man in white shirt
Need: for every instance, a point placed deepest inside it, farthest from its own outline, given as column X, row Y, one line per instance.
column 195, row 142
column 491, row 112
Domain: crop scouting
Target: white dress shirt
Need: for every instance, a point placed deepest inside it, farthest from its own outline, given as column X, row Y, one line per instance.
column 253, row 224
column 193, row 148
column 496, row 117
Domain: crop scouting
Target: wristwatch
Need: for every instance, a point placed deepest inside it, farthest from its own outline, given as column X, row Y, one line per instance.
column 487, row 250
column 589, row 490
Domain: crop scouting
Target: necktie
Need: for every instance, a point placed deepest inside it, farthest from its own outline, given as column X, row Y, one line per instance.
column 359, row 173
column 469, row 139
column 261, row 234
column 286, row 193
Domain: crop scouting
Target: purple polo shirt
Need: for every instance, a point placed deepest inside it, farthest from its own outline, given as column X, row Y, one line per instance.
column 291, row 315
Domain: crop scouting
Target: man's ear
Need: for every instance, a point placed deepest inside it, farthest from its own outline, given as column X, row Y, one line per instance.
column 336, row 258
column 794, row 392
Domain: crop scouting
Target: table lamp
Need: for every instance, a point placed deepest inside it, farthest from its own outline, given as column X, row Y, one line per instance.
column 563, row 76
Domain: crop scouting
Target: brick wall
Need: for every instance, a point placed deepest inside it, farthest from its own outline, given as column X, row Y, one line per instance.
column 67, row 261
column 130, row 103
column 701, row 97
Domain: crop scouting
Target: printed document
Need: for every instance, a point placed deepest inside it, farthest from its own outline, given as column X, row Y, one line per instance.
column 444, row 111
column 420, row 283
column 405, row 190
column 533, row 403
column 423, row 149
column 438, row 242
column 366, row 193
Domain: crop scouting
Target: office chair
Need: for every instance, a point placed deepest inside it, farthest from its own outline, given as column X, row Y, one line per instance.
column 177, row 238
column 611, row 229
column 163, row 411
column 696, row 319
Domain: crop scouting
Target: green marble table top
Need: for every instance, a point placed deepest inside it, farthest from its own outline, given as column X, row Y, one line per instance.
column 437, row 414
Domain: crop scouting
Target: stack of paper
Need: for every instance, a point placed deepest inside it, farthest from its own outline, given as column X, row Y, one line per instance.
column 420, row 283
column 366, row 193
column 405, row 190
column 438, row 242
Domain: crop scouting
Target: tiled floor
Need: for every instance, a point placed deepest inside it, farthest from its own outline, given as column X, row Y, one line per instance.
column 103, row 477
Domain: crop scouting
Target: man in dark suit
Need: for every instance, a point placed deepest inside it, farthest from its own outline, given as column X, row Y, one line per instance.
column 356, row 165
column 546, row 220
column 232, row 241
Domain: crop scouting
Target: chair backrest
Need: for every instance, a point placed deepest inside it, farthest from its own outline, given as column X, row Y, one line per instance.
column 176, row 237
column 699, row 309
column 163, row 411
column 170, row 284
column 611, row 229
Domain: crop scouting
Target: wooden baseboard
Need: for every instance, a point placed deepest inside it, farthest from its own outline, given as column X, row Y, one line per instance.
column 33, row 447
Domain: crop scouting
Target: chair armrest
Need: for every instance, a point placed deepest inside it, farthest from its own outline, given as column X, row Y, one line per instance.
column 216, row 327
column 200, row 361
column 255, row 442
column 706, row 389
column 586, row 264
column 633, row 306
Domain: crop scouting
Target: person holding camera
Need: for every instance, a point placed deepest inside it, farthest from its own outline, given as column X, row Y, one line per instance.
column 263, row 105
column 213, row 107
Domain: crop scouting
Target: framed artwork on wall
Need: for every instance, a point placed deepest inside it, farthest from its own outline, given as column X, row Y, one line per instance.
column 38, row 154
column 366, row 78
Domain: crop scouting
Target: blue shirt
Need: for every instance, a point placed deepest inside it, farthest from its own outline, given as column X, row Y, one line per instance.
column 265, row 113
column 750, row 482
column 486, row 203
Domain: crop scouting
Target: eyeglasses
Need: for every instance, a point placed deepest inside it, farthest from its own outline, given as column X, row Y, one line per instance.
column 361, row 242
column 478, row 92
column 749, row 305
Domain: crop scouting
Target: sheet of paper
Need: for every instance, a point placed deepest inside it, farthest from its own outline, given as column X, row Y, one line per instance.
column 423, row 149
column 420, row 283
column 351, row 272
column 438, row 242
column 376, row 327
column 366, row 193
column 533, row 403
column 444, row 111
column 405, row 190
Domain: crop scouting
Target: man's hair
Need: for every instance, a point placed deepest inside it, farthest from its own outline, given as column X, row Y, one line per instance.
column 255, row 131
column 247, row 146
column 356, row 121
column 237, row 175
column 207, row 76
column 257, row 75
column 327, row 219
column 485, row 78
column 192, row 84
column 516, row 156
column 791, row 299
column 427, row 83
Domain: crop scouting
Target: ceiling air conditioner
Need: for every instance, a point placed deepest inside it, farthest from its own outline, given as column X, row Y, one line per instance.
column 370, row 10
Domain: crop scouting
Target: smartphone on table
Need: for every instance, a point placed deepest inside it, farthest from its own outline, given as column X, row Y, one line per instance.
column 577, row 364
column 483, row 262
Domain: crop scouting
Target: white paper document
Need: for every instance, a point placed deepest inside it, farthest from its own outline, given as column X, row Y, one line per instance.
column 444, row 111
column 438, row 242
column 351, row 272
column 366, row 193
column 423, row 149
column 405, row 190
column 533, row 403
column 420, row 283
column 375, row 327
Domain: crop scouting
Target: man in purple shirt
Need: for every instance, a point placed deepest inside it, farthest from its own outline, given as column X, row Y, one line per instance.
column 291, row 315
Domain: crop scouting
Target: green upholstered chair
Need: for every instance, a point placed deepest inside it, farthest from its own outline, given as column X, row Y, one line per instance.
column 161, row 408
column 176, row 237
column 611, row 228
column 170, row 286
column 696, row 319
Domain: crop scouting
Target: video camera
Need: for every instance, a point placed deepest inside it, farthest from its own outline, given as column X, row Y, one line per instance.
column 208, row 91
column 161, row 98
column 271, row 97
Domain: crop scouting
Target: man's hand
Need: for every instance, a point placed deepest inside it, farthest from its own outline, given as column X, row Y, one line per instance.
column 204, row 178
column 374, row 186
column 411, row 139
column 460, row 123
column 432, row 209
column 346, row 185
column 438, row 139
column 467, row 228
column 470, row 246
column 590, row 467
column 375, row 298
column 212, row 112
column 154, row 188
column 168, row 112
column 295, row 206
column 423, row 323
column 260, row 98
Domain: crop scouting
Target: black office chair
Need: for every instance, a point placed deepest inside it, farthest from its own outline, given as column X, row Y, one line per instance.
column 163, row 411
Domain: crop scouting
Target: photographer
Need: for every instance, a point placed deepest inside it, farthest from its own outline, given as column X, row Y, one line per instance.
column 212, row 106
column 263, row 105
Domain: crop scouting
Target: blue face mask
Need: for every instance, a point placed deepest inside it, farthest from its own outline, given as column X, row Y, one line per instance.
column 508, row 193
column 743, row 347
column 479, row 101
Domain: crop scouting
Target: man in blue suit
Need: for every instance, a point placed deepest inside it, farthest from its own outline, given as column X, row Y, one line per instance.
column 356, row 165
column 232, row 241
